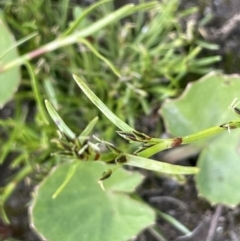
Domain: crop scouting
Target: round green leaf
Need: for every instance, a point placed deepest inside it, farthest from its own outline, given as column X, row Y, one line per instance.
column 84, row 211
column 203, row 104
column 219, row 176
column 10, row 79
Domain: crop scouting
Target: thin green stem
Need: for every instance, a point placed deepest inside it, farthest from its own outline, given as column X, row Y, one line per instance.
column 83, row 15
column 37, row 94
column 174, row 222
column 10, row 187
column 162, row 144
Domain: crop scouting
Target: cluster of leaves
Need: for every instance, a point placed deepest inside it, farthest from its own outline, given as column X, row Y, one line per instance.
column 50, row 76
column 132, row 65
column 61, row 185
column 150, row 50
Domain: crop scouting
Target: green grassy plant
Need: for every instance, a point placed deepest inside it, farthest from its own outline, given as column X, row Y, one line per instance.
column 34, row 147
column 150, row 50
column 132, row 58
column 62, row 183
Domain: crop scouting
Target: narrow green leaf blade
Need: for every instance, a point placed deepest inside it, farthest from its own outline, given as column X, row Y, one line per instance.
column 100, row 56
column 87, row 131
column 158, row 166
column 101, row 106
column 82, row 16
column 58, row 121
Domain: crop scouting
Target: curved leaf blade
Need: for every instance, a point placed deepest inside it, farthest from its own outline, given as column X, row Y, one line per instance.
column 101, row 106
column 58, row 121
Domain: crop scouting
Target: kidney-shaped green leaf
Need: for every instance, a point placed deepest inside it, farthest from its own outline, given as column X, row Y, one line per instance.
column 205, row 104
column 84, row 211
column 218, row 179
column 9, row 80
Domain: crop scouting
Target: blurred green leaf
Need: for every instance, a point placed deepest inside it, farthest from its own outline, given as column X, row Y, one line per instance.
column 9, row 80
